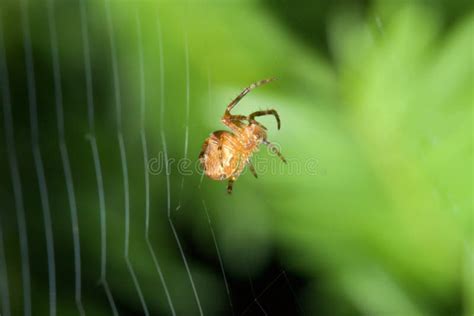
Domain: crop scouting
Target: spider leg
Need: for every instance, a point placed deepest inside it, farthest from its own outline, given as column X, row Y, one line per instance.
column 237, row 118
column 230, row 184
column 234, row 122
column 252, row 169
column 266, row 112
column 234, row 176
column 203, row 150
column 245, row 91
column 275, row 150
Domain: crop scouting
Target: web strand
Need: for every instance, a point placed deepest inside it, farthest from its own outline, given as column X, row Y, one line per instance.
column 4, row 290
column 64, row 154
column 295, row 297
column 261, row 307
column 165, row 150
column 96, row 158
column 186, row 132
column 280, row 275
column 145, row 162
column 31, row 87
column 209, row 95
column 255, row 297
column 100, row 186
column 87, row 66
column 127, row 222
column 15, row 177
column 123, row 156
column 221, row 263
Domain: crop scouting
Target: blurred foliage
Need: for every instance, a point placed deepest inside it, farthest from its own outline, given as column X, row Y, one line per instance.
column 379, row 94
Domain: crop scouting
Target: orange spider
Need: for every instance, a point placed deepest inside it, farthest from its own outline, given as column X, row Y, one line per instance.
column 225, row 154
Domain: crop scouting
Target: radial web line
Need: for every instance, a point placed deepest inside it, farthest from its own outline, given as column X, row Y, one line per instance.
column 210, row 102
column 37, row 153
column 221, row 263
column 292, row 292
column 15, row 176
column 4, row 291
column 186, row 133
column 96, row 157
column 261, row 307
column 123, row 156
column 282, row 273
column 255, row 300
column 167, row 167
column 145, row 162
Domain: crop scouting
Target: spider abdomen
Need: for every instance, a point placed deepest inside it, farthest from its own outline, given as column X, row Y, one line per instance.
column 224, row 155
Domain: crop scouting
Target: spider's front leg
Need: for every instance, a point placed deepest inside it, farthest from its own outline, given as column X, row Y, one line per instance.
column 266, row 112
column 234, row 122
column 245, row 91
column 275, row 150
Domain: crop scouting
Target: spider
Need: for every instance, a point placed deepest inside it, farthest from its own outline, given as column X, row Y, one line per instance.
column 225, row 154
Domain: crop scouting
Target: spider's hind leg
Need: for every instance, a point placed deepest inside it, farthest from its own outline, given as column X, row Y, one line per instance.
column 252, row 169
column 230, row 185
column 233, row 178
column 203, row 150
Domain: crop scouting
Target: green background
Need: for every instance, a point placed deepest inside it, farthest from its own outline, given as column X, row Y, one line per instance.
column 373, row 215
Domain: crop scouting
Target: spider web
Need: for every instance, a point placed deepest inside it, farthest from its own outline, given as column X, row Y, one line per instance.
column 51, row 233
column 94, row 93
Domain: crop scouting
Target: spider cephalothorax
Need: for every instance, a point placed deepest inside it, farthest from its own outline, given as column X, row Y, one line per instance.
column 225, row 154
